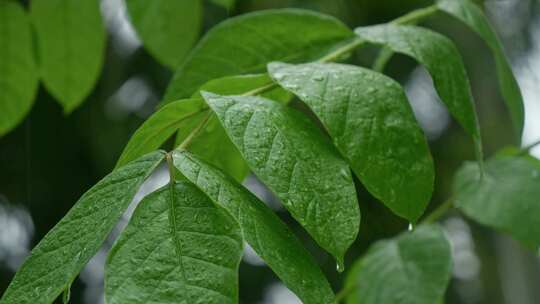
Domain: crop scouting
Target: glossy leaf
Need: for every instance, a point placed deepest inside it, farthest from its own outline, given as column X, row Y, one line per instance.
column 505, row 197
column 292, row 157
column 245, row 44
column 177, row 248
column 372, row 124
column 159, row 127
column 442, row 60
column 470, row 14
column 413, row 268
column 55, row 262
column 71, row 43
column 263, row 230
column 168, row 29
column 18, row 80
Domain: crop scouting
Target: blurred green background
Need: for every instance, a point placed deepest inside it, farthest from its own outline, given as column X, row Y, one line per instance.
column 49, row 160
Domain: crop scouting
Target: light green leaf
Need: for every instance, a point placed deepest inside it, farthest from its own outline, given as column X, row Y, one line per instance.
column 470, row 14
column 372, row 124
column 263, row 230
column 177, row 248
column 442, row 60
column 168, row 29
column 413, row 268
column 62, row 253
column 159, row 127
column 18, row 74
column 505, row 197
column 294, row 159
column 245, row 44
column 71, row 43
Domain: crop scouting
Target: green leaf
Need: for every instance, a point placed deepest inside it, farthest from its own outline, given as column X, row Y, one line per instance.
column 159, row 127
column 263, row 230
column 213, row 144
column 372, row 124
column 245, row 44
column 442, row 60
column 505, row 197
column 62, row 253
column 71, row 43
column 18, row 74
column 168, row 29
column 470, row 14
column 294, row 159
column 413, row 268
column 177, row 248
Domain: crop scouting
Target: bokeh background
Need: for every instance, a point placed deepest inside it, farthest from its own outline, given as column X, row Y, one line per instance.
column 51, row 159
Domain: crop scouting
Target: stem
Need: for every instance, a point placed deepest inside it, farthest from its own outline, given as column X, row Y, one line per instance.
column 195, row 132
column 437, row 213
column 416, row 15
column 382, row 59
column 342, row 50
column 170, row 165
column 260, row 90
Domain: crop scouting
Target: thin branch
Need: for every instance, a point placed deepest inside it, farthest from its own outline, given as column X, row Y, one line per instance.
column 439, row 212
column 195, row 132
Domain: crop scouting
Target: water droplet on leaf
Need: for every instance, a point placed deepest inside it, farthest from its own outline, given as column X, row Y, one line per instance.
column 340, row 267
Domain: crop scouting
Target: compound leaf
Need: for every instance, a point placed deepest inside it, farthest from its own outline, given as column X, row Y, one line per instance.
column 372, row 124
column 442, row 60
column 505, row 197
column 177, row 248
column 168, row 29
column 263, row 230
column 470, row 14
column 18, row 80
column 413, row 268
column 71, row 43
column 62, row 253
column 245, row 44
column 292, row 157
column 159, row 127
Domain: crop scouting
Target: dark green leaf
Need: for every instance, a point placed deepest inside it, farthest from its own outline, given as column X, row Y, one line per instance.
column 370, row 121
column 177, row 248
column 413, row 268
column 262, row 229
column 159, row 127
column 63, row 252
column 71, row 42
column 470, row 14
column 442, row 60
column 168, row 29
column 505, row 197
column 294, row 159
column 18, row 74
column 245, row 44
